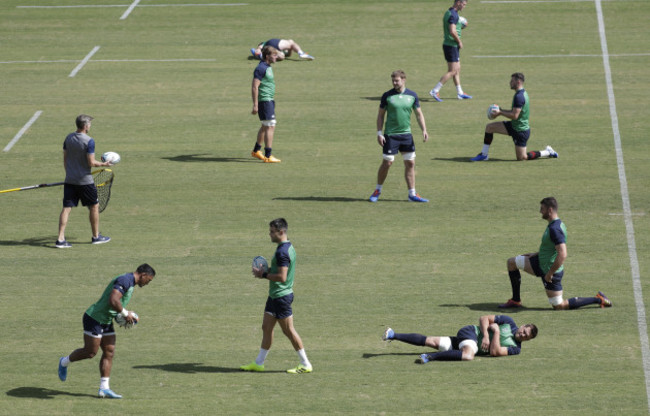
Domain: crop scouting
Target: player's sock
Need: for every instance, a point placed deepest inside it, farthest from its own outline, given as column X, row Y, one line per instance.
column 437, row 88
column 544, row 153
column 451, row 355
column 459, row 89
column 65, row 361
column 412, row 192
column 535, row 155
column 103, row 383
column 575, row 303
column 257, row 147
column 413, row 339
column 267, row 152
column 303, row 358
column 486, row 149
column 379, row 187
column 515, row 282
column 261, row 357
column 487, row 138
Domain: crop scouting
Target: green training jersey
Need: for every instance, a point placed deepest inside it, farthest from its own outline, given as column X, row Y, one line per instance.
column 399, row 106
column 285, row 256
column 554, row 234
column 101, row 311
column 507, row 337
column 264, row 73
column 451, row 16
column 521, row 100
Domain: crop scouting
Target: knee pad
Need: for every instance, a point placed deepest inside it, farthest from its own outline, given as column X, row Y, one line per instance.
column 520, row 261
column 408, row 156
column 389, row 158
column 444, row 344
column 554, row 301
column 469, row 343
column 269, row 123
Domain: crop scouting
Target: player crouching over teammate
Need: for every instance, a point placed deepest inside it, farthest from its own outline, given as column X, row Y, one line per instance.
column 495, row 336
column 98, row 325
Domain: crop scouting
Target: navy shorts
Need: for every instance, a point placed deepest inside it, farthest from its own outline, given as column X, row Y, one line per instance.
column 452, row 53
column 465, row 333
column 519, row 137
column 556, row 281
column 273, row 42
column 398, row 143
column 266, row 110
column 95, row 329
column 279, row 308
column 73, row 193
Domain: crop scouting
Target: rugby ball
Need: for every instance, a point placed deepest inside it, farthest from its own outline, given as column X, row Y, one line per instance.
column 260, row 262
column 462, row 21
column 492, row 111
column 121, row 320
column 111, row 157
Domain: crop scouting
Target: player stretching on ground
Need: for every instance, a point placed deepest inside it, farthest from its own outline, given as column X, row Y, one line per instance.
column 495, row 335
column 285, row 48
column 548, row 263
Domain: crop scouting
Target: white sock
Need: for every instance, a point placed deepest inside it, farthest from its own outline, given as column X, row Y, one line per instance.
column 261, row 357
column 65, row 361
column 459, row 89
column 300, row 52
column 437, row 87
column 103, row 383
column 544, row 153
column 412, row 192
column 486, row 149
column 379, row 187
column 303, row 358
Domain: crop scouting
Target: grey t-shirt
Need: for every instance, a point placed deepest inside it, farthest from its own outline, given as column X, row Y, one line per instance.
column 77, row 147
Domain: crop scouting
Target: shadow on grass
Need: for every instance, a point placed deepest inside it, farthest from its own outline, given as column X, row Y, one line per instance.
column 42, row 393
column 412, row 354
column 322, row 199
column 34, row 242
column 201, row 157
column 191, row 368
column 465, row 159
column 493, row 307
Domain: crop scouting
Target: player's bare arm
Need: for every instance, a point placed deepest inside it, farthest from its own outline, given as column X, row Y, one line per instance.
column 419, row 116
column 116, row 304
column 280, row 276
column 559, row 261
column 255, row 94
column 381, row 114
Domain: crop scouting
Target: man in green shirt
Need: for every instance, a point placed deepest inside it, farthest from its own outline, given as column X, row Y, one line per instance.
column 278, row 304
column 98, row 325
column 263, row 94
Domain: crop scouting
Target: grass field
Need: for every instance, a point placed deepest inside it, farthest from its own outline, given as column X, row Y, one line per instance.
column 169, row 88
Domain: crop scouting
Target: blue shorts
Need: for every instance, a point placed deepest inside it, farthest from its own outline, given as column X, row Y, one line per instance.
column 266, row 110
column 556, row 280
column 452, row 53
column 95, row 329
column 73, row 193
column 273, row 42
column 465, row 333
column 398, row 143
column 279, row 308
column 519, row 137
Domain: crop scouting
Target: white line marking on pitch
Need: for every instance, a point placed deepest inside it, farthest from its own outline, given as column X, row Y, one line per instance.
column 624, row 55
column 83, row 6
column 23, row 130
column 627, row 212
column 83, row 62
column 129, row 10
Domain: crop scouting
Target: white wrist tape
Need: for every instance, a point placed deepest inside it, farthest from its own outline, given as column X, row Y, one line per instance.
column 124, row 312
column 380, row 133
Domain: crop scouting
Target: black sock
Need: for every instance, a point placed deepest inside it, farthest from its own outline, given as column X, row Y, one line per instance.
column 515, row 282
column 257, row 147
column 267, row 152
column 487, row 139
column 451, row 355
column 533, row 155
column 575, row 303
column 413, row 339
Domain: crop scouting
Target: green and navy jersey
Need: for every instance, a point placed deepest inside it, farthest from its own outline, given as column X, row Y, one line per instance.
column 451, row 16
column 521, row 100
column 554, row 234
column 101, row 311
column 285, row 256
column 264, row 73
column 507, row 330
column 399, row 106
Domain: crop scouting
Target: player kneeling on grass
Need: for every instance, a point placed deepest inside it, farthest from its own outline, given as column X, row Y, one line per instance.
column 98, row 325
column 495, row 336
column 278, row 304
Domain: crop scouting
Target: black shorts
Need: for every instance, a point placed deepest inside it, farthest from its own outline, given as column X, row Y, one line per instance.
column 556, row 280
column 452, row 53
column 279, row 308
column 519, row 137
column 266, row 110
column 96, row 329
column 398, row 143
column 73, row 193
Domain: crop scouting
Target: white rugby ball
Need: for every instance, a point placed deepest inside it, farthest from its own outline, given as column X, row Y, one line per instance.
column 121, row 320
column 492, row 111
column 462, row 21
column 111, row 157
column 260, row 262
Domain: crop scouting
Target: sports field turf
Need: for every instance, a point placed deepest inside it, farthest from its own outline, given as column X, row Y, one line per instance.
column 169, row 88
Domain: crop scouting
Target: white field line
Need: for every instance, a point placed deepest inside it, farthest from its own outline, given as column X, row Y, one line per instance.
column 108, row 60
column 535, row 1
column 83, row 6
column 627, row 212
column 83, row 62
column 22, row 131
column 597, row 55
column 129, row 10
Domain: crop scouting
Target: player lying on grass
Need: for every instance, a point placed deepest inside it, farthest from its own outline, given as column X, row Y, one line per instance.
column 285, row 48
column 495, row 335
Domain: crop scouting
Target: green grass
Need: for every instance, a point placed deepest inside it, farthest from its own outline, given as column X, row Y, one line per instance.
column 189, row 200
